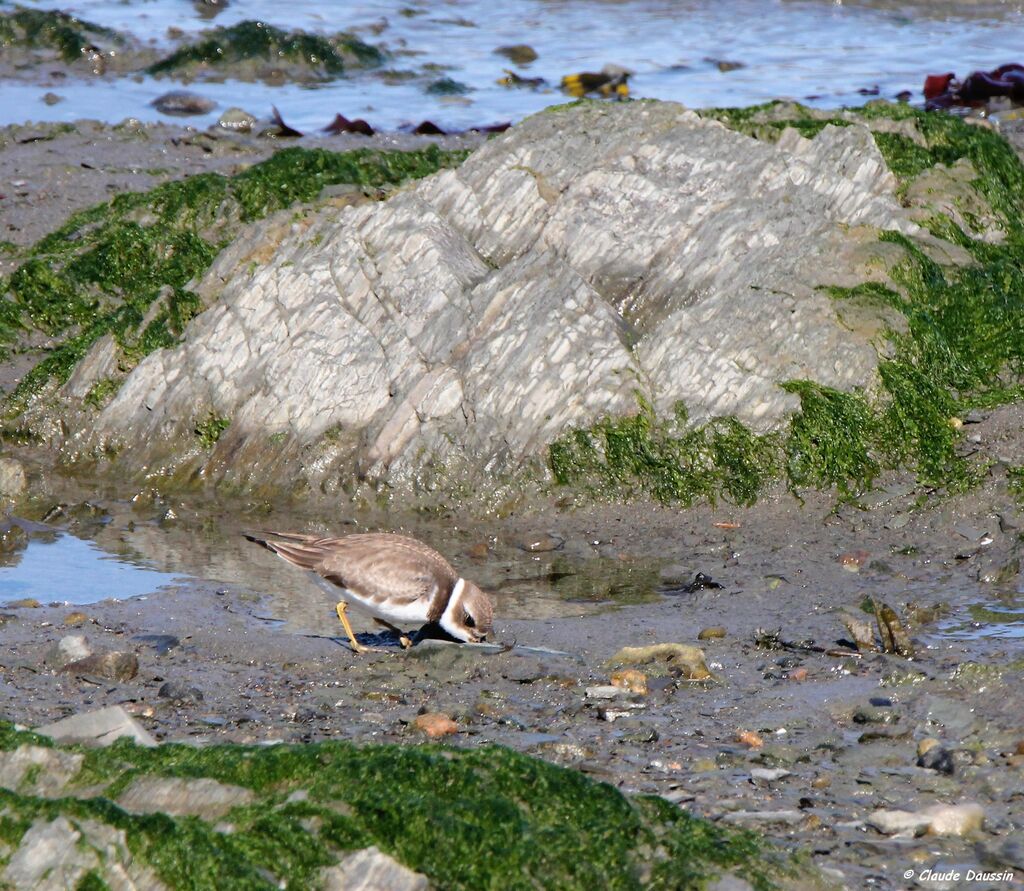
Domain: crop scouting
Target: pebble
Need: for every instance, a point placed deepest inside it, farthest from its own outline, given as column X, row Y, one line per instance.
column 237, row 120
column 435, row 725
column 519, row 53
column 24, row 603
column 605, row 692
column 540, row 542
column 630, row 679
column 768, row 774
column 13, row 480
column 873, row 715
column 750, row 738
column 69, row 649
column 75, row 619
column 162, row 643
column 715, row 632
column 937, row 759
column 180, row 692
column 785, row 817
column 941, row 819
column 183, row 103
column 115, row 666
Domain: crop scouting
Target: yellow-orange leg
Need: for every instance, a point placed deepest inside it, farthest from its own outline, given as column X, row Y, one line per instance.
column 356, row 646
column 403, row 638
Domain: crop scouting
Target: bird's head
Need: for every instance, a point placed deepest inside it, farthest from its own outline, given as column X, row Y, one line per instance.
column 469, row 616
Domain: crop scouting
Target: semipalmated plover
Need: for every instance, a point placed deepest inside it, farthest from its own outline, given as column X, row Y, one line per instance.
column 394, row 578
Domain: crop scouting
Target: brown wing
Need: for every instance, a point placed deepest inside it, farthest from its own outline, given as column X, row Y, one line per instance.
column 371, row 564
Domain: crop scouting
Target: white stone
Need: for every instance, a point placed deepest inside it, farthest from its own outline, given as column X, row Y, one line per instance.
column 57, row 768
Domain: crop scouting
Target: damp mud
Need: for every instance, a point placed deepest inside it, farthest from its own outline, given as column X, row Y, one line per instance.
column 797, row 734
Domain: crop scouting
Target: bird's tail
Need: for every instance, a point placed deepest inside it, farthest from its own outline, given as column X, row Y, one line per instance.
column 298, row 549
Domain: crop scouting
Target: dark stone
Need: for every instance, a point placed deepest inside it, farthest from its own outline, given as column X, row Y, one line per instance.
column 179, row 692
column 162, row 643
column 938, row 759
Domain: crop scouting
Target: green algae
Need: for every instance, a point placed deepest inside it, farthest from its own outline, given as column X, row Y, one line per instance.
column 258, row 41
column 479, row 818
column 640, row 454
column 962, row 346
column 210, row 430
column 69, row 36
column 124, row 267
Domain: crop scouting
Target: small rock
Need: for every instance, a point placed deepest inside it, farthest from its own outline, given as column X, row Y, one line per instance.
column 768, row 774
column 926, row 745
column 862, row 633
column 109, row 666
column 798, row 674
column 52, row 98
column 13, row 480
column 686, row 661
column 872, row 715
column 761, row 818
column 183, row 103
column 822, row 781
column 606, row 692
column 162, row 643
column 75, row 619
column 938, row 759
column 70, row 648
column 750, row 738
column 630, row 679
column 24, row 603
column 180, row 693
column 237, row 120
column 894, row 636
column 941, row 819
column 435, row 725
column 715, row 632
column 7, row 617
column 98, row 728
column 371, row 870
column 540, row 543
column 519, row 53
column 201, row 797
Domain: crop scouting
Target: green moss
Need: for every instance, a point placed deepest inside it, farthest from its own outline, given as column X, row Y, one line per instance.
column 445, row 86
column 69, row 36
column 103, row 270
column 468, row 819
column 101, row 392
column 92, row 881
column 1015, row 482
column 258, row 41
column 211, row 429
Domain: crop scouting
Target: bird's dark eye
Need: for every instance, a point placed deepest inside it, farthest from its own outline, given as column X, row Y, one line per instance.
column 470, row 622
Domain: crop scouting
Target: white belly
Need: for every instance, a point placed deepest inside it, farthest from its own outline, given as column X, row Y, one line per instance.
column 414, row 613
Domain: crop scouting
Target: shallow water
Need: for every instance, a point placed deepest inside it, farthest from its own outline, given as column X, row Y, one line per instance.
column 821, row 53
column 999, row 620
column 70, row 570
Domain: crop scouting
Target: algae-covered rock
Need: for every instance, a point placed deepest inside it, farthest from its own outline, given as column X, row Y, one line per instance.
column 302, row 815
column 453, row 332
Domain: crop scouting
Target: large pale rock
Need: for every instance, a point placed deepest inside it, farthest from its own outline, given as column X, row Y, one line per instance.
column 448, row 335
column 12, row 477
column 201, row 797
